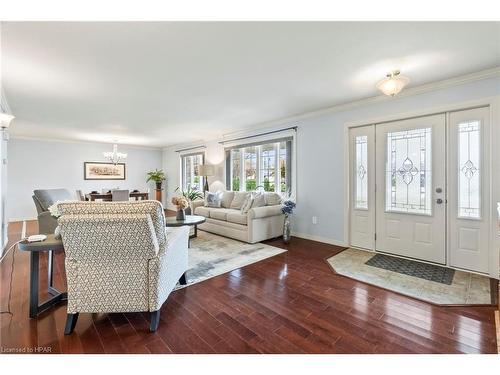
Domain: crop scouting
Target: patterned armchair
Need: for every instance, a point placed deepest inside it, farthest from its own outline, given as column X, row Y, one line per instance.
column 119, row 258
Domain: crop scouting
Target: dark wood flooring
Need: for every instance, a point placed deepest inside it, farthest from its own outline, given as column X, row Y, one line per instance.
column 291, row 303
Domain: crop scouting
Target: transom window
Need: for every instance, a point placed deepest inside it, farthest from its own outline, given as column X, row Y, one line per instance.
column 263, row 166
column 189, row 171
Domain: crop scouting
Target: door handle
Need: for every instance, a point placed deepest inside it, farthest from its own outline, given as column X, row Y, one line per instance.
column 439, row 201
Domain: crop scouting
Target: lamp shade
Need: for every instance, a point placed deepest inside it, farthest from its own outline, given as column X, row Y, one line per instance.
column 5, row 120
column 206, row 170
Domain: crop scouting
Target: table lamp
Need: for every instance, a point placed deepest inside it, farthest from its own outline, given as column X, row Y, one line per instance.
column 206, row 170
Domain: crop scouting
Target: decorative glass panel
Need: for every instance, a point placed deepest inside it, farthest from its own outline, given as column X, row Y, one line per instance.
column 361, row 172
column 409, row 172
column 469, row 174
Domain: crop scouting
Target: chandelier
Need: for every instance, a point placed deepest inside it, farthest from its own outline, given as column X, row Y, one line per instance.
column 114, row 156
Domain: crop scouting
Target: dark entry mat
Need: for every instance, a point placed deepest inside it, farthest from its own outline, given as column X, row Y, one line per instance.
column 424, row 271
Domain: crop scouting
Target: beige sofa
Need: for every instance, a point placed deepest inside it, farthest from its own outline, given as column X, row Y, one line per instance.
column 258, row 224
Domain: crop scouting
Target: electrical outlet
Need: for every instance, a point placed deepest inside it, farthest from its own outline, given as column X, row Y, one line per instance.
column 315, row 220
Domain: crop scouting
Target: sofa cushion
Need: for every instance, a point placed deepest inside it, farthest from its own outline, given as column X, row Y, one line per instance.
column 239, row 199
column 227, row 198
column 248, row 204
column 272, row 199
column 237, row 217
column 220, row 213
column 202, row 211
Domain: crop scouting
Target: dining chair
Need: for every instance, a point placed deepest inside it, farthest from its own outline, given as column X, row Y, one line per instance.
column 120, row 195
column 80, row 195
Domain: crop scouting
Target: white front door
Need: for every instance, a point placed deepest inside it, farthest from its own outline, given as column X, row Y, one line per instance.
column 410, row 188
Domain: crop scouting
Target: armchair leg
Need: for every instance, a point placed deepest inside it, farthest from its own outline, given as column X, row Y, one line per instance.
column 183, row 280
column 71, row 320
column 155, row 320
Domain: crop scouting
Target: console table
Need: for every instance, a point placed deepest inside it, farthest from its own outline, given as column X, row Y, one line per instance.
column 50, row 245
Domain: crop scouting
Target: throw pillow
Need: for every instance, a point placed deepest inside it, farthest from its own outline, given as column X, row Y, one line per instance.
column 259, row 200
column 213, row 199
column 238, row 200
column 227, row 198
column 248, row 204
column 272, row 199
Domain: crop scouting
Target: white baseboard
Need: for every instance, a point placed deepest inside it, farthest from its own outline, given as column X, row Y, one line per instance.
column 13, row 219
column 327, row 240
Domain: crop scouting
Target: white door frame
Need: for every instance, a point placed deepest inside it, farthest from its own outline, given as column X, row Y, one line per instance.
column 493, row 103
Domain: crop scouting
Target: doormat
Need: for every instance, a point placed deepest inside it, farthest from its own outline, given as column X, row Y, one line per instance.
column 408, row 267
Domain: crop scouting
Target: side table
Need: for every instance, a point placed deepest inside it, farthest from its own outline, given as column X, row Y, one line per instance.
column 51, row 244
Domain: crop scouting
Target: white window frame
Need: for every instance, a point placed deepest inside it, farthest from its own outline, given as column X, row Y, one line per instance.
column 262, row 141
column 182, row 157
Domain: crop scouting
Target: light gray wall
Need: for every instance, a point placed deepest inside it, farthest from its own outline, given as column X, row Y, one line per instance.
column 321, row 186
column 41, row 164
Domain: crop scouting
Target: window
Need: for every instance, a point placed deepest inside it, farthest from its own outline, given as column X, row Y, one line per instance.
column 408, row 171
column 189, row 170
column 469, row 176
column 263, row 167
column 361, row 172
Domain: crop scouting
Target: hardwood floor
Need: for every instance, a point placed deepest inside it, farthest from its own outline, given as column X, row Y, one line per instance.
column 291, row 303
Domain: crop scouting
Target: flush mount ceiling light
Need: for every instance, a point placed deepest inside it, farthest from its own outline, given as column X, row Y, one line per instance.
column 393, row 83
column 114, row 156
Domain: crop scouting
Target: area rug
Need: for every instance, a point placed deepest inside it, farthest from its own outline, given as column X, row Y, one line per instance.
column 465, row 288
column 211, row 255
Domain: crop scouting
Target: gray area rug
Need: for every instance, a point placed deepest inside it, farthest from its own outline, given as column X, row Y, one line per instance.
column 465, row 289
column 408, row 267
column 211, row 255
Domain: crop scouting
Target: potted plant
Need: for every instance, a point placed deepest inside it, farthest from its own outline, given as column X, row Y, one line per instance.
column 191, row 195
column 157, row 176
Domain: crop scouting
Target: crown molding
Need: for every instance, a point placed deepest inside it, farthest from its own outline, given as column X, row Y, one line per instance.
column 43, row 139
column 408, row 92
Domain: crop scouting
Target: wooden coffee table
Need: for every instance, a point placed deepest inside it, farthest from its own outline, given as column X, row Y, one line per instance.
column 190, row 220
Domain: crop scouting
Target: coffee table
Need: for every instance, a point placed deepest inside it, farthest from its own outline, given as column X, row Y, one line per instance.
column 191, row 220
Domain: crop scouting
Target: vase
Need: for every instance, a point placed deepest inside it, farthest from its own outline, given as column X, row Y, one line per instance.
column 188, row 210
column 181, row 215
column 286, row 230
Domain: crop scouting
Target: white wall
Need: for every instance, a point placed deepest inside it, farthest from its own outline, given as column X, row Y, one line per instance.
column 321, row 186
column 41, row 164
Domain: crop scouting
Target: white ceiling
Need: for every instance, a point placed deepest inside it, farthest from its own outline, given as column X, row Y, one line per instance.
column 164, row 83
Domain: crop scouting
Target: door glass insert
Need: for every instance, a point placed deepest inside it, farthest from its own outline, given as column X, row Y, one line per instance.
column 469, row 178
column 361, row 172
column 409, row 171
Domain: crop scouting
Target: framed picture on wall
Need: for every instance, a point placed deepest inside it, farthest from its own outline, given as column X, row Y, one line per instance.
column 103, row 171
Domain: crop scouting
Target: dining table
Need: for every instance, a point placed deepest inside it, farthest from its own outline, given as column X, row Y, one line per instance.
column 109, row 197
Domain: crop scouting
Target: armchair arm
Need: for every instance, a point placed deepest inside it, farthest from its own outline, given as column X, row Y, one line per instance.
column 168, row 266
column 266, row 211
